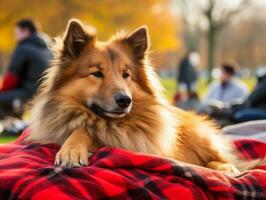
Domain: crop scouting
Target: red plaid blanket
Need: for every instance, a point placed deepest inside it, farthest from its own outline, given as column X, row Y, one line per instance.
column 27, row 172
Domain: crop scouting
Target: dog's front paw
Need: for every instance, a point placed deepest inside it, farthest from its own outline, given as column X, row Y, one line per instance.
column 228, row 168
column 72, row 156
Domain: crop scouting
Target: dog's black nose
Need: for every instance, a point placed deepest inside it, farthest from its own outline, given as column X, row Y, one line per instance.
column 122, row 100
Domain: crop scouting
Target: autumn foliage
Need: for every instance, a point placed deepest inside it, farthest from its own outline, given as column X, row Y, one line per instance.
column 107, row 16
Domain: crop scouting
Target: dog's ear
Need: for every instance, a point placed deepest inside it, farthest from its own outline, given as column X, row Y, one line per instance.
column 76, row 38
column 138, row 41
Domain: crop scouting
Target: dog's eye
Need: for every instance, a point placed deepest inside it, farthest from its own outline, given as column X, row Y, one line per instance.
column 126, row 75
column 97, row 74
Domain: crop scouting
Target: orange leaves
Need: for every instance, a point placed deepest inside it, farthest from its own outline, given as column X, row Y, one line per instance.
column 106, row 15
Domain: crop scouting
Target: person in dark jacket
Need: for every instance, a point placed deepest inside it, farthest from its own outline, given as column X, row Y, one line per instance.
column 187, row 72
column 28, row 62
column 254, row 108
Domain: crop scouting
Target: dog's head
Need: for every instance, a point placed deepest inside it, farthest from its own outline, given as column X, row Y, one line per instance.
column 103, row 76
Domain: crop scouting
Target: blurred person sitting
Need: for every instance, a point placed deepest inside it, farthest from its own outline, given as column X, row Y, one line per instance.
column 254, row 108
column 187, row 72
column 228, row 89
column 191, row 102
column 28, row 62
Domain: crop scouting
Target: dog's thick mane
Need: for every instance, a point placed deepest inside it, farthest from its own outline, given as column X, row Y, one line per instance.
column 53, row 120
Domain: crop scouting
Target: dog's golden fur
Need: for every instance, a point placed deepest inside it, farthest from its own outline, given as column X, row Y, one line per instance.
column 61, row 111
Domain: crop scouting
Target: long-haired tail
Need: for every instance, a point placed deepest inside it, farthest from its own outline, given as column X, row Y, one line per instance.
column 244, row 165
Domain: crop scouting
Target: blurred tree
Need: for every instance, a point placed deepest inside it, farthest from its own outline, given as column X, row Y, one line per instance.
column 247, row 43
column 218, row 14
column 192, row 28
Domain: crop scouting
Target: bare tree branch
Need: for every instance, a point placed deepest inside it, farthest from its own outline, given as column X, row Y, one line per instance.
column 226, row 17
column 218, row 14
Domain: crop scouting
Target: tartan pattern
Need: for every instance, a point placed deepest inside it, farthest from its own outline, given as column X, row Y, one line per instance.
column 251, row 149
column 27, row 172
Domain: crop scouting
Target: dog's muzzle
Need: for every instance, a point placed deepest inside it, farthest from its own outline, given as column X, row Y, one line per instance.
column 117, row 113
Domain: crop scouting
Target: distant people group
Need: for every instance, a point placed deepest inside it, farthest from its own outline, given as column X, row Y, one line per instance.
column 227, row 97
column 29, row 60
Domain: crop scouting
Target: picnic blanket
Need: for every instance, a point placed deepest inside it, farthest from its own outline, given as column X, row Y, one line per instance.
column 27, row 172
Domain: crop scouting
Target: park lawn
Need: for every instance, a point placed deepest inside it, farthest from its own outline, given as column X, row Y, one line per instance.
column 170, row 90
column 7, row 139
column 170, row 86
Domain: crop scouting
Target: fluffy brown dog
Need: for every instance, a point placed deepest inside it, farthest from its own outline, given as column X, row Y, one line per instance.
column 107, row 94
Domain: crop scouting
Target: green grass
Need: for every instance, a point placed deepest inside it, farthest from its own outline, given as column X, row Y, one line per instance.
column 7, row 139
column 171, row 87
